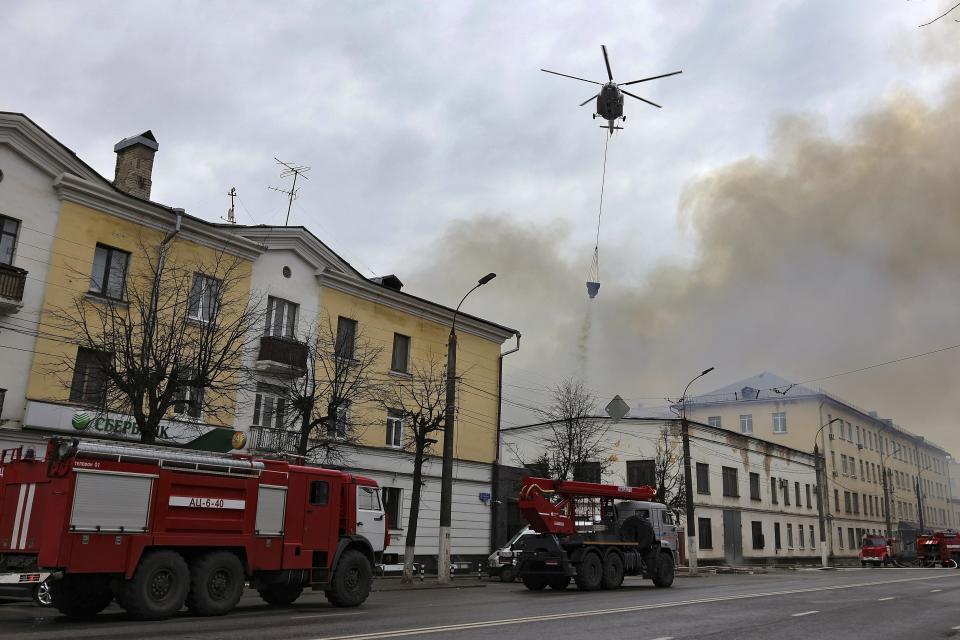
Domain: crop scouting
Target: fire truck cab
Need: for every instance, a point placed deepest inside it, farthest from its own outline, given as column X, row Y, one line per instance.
column 158, row 528
column 876, row 550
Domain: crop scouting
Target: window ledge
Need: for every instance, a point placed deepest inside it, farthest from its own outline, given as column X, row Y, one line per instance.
column 406, row 375
column 102, row 299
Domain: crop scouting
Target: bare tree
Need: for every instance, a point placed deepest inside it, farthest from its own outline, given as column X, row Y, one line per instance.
column 340, row 375
column 668, row 472
column 575, row 435
column 420, row 403
column 158, row 339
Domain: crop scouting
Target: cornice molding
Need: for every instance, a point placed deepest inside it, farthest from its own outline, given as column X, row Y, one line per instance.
column 423, row 309
column 109, row 200
column 295, row 239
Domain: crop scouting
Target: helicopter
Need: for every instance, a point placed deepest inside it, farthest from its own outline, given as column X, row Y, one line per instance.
column 610, row 97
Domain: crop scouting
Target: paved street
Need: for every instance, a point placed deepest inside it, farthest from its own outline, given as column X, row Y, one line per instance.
column 855, row 603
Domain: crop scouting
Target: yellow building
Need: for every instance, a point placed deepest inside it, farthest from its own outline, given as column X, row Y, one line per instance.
column 858, row 447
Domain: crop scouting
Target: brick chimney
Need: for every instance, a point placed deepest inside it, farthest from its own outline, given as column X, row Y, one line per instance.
column 135, row 164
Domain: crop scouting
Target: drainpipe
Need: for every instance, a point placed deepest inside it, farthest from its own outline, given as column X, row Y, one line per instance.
column 495, row 469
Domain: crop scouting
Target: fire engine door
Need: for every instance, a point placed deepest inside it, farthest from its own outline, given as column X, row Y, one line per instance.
column 370, row 521
column 319, row 522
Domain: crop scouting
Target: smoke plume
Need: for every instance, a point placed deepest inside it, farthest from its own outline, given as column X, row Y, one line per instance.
column 826, row 255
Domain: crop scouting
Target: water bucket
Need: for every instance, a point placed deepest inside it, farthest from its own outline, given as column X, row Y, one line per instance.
column 592, row 289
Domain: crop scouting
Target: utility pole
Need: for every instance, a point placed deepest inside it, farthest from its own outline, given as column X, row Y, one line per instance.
column 916, row 486
column 231, row 217
column 296, row 172
column 446, row 475
column 688, row 477
column 886, row 501
column 821, row 477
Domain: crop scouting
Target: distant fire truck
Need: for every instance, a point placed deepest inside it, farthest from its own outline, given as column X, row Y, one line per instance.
column 940, row 548
column 594, row 534
column 158, row 528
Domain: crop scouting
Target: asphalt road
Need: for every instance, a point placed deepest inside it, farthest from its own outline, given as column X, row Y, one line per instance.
column 873, row 604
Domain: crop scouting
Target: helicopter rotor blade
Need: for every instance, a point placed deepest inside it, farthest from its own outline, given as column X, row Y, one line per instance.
column 666, row 75
column 642, row 99
column 606, row 61
column 574, row 77
column 588, row 100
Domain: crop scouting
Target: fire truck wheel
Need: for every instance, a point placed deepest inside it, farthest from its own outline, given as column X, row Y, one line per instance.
column 352, row 580
column 216, row 583
column 663, row 575
column 280, row 595
column 590, row 572
column 158, row 588
column 558, row 583
column 612, row 571
column 535, row 583
column 81, row 596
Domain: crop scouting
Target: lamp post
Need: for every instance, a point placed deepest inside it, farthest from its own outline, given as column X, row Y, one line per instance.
column 822, row 488
column 446, row 478
column 687, row 477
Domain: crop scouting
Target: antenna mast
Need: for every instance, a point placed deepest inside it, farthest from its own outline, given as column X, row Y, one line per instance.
column 295, row 171
column 231, row 218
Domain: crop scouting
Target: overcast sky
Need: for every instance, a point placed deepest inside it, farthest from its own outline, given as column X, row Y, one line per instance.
column 439, row 151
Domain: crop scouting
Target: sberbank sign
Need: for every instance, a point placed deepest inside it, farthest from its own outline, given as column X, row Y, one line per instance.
column 120, row 426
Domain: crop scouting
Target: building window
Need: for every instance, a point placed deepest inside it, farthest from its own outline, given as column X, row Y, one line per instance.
column 393, row 506
column 754, row 486
column 813, row 540
column 773, row 490
column 641, row 473
column 855, row 499
column 8, row 239
column 746, row 423
column 338, row 428
column 703, row 478
column 836, row 501
column 851, row 538
column 777, row 544
column 587, row 472
column 281, row 318
column 204, row 298
column 846, row 502
column 394, row 429
column 789, row 536
column 346, row 338
column 89, row 383
column 853, row 467
column 705, row 539
column 796, row 493
column 188, row 399
column 840, row 536
column 830, row 425
column 400, row 361
column 268, row 406
column 843, row 464
column 862, row 474
column 756, row 530
column 109, row 276
column 730, row 488
column 800, row 536
column 809, row 504
column 833, row 460
column 780, row 422
column 714, row 421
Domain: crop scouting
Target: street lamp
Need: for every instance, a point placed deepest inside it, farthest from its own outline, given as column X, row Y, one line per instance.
column 687, row 476
column 446, row 478
column 821, row 487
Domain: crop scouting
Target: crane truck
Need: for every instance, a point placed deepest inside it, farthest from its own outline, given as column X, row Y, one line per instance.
column 158, row 528
column 594, row 534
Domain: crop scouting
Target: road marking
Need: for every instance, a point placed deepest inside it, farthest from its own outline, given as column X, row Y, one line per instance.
column 956, row 628
column 399, row 633
column 327, row 615
column 935, row 590
column 664, row 638
column 887, row 598
column 805, row 613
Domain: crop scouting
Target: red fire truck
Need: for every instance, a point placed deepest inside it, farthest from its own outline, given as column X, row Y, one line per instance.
column 157, row 528
column 594, row 534
column 939, row 548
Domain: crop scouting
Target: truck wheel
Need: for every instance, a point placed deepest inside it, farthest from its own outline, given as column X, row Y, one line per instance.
column 81, row 596
column 590, row 572
column 217, row 582
column 534, row 583
column 663, row 574
column 612, row 571
column 41, row 595
column 508, row 574
column 558, row 583
column 158, row 588
column 280, row 595
column 352, row 580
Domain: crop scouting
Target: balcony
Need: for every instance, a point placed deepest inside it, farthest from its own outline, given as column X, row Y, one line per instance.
column 266, row 440
column 12, row 281
column 282, row 356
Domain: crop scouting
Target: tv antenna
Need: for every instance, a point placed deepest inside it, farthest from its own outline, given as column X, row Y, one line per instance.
column 231, row 217
column 290, row 170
